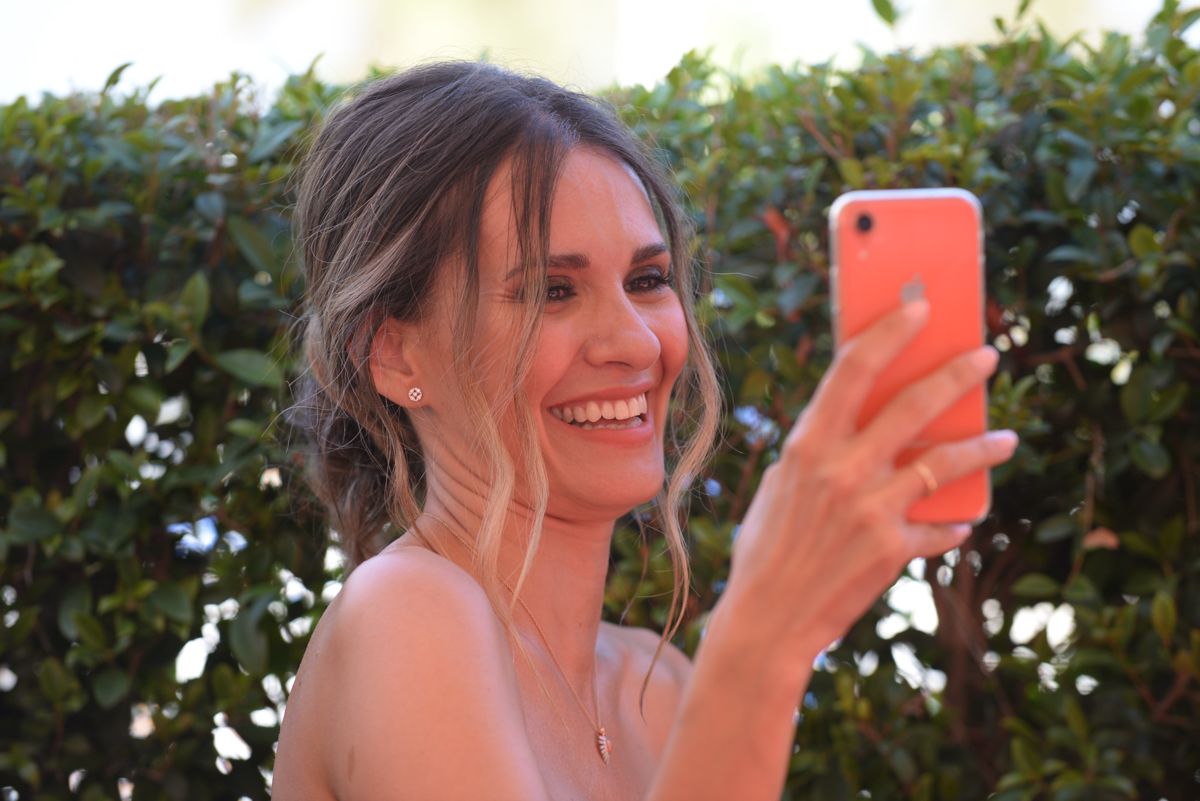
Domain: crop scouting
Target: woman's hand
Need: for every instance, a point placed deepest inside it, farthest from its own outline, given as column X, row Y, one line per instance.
column 826, row 532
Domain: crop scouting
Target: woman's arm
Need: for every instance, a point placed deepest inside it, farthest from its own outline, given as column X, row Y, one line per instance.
column 734, row 730
column 825, row 534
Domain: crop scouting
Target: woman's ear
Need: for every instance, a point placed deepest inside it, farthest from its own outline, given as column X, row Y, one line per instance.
column 392, row 360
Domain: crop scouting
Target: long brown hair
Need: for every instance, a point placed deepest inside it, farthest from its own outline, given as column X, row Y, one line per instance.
column 391, row 192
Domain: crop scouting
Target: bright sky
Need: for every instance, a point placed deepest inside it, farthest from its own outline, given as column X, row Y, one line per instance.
column 191, row 44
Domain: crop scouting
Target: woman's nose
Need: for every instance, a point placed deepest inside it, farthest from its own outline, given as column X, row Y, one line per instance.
column 620, row 330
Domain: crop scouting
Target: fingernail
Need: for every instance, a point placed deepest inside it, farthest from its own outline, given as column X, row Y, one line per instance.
column 916, row 309
column 1003, row 437
column 986, row 357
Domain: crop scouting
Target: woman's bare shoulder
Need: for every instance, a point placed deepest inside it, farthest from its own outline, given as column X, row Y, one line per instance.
column 420, row 686
column 409, row 561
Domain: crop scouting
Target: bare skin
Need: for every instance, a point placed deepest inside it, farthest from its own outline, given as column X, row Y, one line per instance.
column 311, row 764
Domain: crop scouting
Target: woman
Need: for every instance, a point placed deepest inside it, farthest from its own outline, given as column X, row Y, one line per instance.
column 494, row 264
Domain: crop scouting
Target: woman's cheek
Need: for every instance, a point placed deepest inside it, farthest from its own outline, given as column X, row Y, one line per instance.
column 673, row 335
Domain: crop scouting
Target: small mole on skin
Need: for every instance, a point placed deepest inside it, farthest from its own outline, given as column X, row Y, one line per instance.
column 350, row 764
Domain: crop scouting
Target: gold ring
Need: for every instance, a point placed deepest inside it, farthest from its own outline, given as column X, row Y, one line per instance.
column 931, row 483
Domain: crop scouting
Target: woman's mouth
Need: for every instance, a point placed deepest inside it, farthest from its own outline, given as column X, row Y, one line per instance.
column 614, row 425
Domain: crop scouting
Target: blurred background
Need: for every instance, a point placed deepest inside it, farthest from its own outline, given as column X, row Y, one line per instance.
column 590, row 45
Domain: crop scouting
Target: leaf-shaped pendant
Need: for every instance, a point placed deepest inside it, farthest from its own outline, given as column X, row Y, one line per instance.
column 603, row 744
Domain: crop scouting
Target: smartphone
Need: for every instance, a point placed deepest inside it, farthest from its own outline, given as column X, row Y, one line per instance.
column 888, row 246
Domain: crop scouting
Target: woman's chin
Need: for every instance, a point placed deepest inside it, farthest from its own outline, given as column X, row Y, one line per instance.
column 605, row 496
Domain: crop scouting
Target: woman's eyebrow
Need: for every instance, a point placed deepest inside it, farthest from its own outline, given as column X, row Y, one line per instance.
column 578, row 261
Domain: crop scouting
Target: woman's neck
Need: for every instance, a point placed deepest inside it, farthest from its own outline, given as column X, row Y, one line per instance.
column 563, row 591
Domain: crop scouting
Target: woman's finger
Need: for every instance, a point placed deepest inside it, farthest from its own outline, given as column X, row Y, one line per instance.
column 919, row 404
column 856, row 365
column 943, row 464
column 930, row 540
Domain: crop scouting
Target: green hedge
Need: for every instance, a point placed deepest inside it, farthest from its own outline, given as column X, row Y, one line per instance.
column 149, row 498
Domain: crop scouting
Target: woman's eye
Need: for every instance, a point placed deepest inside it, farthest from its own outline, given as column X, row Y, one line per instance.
column 656, row 280
column 650, row 282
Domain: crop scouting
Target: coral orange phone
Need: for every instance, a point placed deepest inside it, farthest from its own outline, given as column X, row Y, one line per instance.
column 892, row 244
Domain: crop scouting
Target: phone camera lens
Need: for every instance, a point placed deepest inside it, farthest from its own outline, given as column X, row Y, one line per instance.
column 865, row 222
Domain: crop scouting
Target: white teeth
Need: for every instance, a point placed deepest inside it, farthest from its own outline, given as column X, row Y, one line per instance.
column 593, row 411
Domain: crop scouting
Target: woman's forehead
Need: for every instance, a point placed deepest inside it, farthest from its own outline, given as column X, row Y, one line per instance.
column 588, row 179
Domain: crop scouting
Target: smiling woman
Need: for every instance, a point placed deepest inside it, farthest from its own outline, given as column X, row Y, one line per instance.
column 494, row 268
column 505, row 246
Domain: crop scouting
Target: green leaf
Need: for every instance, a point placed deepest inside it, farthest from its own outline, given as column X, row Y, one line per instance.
column 1035, row 585
column 269, row 138
column 1079, row 177
column 1137, row 395
column 1025, row 757
column 56, row 681
column 90, row 410
column 885, row 10
column 1170, row 537
column 252, row 244
column 176, row 353
column 246, row 637
column 1164, row 616
column 91, row 631
column 1072, row 253
column 852, row 172
column 252, row 366
column 1076, row 720
column 1081, row 591
column 30, row 522
column 1164, row 405
column 124, row 463
column 76, row 600
column 110, row 686
column 1120, row 784
column 1053, row 529
column 903, row 764
column 195, row 298
column 1150, row 457
column 171, row 599
column 114, row 77
column 249, row 429
column 1142, row 241
column 145, row 398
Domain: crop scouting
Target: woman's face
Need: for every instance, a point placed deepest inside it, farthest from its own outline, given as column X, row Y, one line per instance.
column 612, row 329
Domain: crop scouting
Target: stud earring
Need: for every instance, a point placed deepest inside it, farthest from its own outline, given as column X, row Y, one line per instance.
column 414, row 394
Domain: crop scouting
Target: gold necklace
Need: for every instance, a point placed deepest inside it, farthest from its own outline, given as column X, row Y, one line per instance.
column 603, row 744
